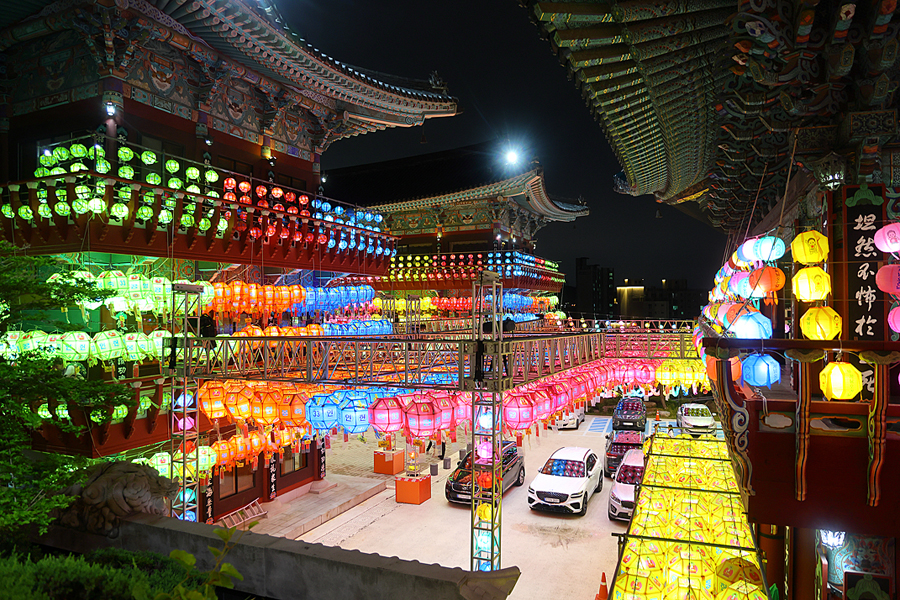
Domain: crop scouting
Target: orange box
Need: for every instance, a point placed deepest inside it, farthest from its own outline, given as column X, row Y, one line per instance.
column 388, row 463
column 413, row 490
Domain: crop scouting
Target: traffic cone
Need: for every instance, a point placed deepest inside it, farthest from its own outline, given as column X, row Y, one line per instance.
column 603, row 594
column 657, row 415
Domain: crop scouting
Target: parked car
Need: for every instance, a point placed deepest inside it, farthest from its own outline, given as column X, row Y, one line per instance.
column 572, row 419
column 459, row 485
column 630, row 413
column 617, row 444
column 566, row 481
column 695, row 419
column 628, row 477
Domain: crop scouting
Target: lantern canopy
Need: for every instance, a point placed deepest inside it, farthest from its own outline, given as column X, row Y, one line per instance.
column 840, row 381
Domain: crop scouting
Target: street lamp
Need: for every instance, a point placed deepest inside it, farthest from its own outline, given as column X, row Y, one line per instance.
column 512, row 157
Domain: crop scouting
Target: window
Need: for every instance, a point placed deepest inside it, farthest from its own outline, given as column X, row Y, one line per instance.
column 292, row 182
column 591, row 461
column 236, row 166
column 239, row 479
column 293, row 461
column 630, row 474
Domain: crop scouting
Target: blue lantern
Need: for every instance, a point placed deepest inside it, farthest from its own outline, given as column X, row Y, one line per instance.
column 355, row 413
column 753, row 326
column 760, row 369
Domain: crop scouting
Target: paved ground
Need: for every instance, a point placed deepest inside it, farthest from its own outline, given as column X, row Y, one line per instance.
column 558, row 555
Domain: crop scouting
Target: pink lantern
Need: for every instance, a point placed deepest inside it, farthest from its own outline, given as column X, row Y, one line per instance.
column 463, row 410
column 518, row 412
column 644, row 373
column 543, row 404
column 448, row 416
column 562, row 396
column 894, row 319
column 386, row 415
column 423, row 417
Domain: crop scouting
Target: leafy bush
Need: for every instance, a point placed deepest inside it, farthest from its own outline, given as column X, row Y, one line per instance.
column 162, row 572
column 66, row 578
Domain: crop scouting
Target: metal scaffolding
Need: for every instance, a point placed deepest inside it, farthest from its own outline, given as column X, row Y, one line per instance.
column 185, row 424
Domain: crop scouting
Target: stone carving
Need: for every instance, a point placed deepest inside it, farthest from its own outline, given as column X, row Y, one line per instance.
column 115, row 490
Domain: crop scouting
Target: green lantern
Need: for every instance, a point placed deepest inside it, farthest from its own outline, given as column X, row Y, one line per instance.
column 124, row 193
column 149, row 197
column 162, row 462
column 192, row 173
column 126, row 172
column 62, row 209
column 169, row 201
column 211, row 176
column 44, row 211
column 139, row 292
column 119, row 211
column 172, row 165
column 33, row 341
column 9, row 344
column 62, row 411
column 96, row 151
column 61, row 153
column 187, row 220
column 77, row 166
column 137, row 347
column 144, row 213
column 102, row 166
column 165, row 216
column 25, row 212
column 148, row 157
column 41, row 172
column 175, row 183
column 113, row 280
column 125, row 153
column 107, row 345
column 7, row 211
column 213, row 194
column 153, row 179
column 204, row 224
column 120, row 412
column 80, row 206
column 208, row 294
column 161, row 293
column 44, row 412
column 97, row 205
column 58, row 171
column 206, row 458
column 161, row 343
column 100, row 188
column 83, row 192
column 193, row 188
column 47, row 159
column 78, row 150
column 75, row 346
column 144, row 405
column 222, row 224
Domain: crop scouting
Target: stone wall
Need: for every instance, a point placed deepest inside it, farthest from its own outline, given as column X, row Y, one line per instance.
column 280, row 568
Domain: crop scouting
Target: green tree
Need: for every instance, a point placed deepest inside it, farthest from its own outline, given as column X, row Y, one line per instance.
column 29, row 479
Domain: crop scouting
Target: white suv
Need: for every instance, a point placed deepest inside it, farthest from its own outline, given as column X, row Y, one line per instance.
column 628, row 476
column 567, row 480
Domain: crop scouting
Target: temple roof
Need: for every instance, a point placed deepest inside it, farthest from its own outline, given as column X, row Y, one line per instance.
column 254, row 35
column 441, row 178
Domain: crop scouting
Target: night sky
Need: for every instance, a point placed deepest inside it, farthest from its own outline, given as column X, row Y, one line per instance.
column 512, row 89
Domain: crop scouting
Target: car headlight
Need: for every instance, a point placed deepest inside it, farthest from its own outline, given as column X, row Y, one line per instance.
column 530, row 490
column 613, row 496
column 576, row 495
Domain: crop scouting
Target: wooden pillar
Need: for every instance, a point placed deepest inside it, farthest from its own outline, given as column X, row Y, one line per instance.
column 877, row 431
column 801, row 426
column 804, row 557
column 771, row 544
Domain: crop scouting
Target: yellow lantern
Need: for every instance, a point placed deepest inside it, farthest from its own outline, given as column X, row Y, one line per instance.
column 840, row 381
column 811, row 283
column 810, row 247
column 821, row 323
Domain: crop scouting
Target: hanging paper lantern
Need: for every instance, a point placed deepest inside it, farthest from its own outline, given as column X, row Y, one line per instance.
column 821, row 323
column 225, row 453
column 148, row 157
column 386, row 415
column 354, row 413
column 887, row 238
column 212, row 400
column 292, row 411
column 894, row 319
column 518, row 412
column 809, row 248
column 264, row 405
column 767, row 279
column 423, row 417
column 840, row 381
column 760, row 369
column 162, row 462
column 752, row 326
column 888, row 279
column 811, row 284
column 107, row 345
column 237, row 399
column 322, row 412
column 137, row 347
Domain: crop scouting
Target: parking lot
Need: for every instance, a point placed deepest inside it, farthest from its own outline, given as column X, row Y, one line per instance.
column 557, row 554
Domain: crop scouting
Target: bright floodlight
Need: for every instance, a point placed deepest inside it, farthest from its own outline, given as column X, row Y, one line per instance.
column 512, row 157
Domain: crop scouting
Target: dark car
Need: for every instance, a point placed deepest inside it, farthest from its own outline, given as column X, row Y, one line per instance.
column 617, row 444
column 459, row 484
column 630, row 413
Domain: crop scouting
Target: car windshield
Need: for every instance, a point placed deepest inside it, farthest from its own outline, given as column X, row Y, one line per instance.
column 467, row 462
column 697, row 412
column 563, row 468
column 630, row 474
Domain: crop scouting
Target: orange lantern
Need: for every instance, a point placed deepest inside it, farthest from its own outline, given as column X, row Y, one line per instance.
column 315, row 330
column 268, row 297
column 273, row 331
column 292, row 411
column 298, row 294
column 241, row 447
column 735, row 368
column 237, row 295
column 224, row 454
column 767, row 279
column 264, row 405
column 257, row 443
column 212, row 399
column 237, row 399
column 283, row 298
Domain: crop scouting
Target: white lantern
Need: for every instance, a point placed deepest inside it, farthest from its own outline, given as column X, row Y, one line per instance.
column 161, row 344
column 137, row 347
column 115, row 281
column 33, row 341
column 161, row 292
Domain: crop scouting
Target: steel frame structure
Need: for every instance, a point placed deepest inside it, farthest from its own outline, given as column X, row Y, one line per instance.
column 185, row 440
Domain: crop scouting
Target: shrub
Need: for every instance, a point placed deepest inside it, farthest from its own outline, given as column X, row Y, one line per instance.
column 162, row 572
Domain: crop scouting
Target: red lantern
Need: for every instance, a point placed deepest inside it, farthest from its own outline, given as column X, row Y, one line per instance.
column 264, row 405
column 244, row 186
column 304, row 199
column 212, row 399
column 277, row 192
column 261, row 191
column 767, row 279
column 386, row 415
column 229, row 183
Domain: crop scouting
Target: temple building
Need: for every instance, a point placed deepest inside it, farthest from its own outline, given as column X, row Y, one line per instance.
column 153, row 142
column 774, row 119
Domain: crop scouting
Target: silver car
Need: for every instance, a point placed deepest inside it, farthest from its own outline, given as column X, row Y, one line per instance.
column 695, row 419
